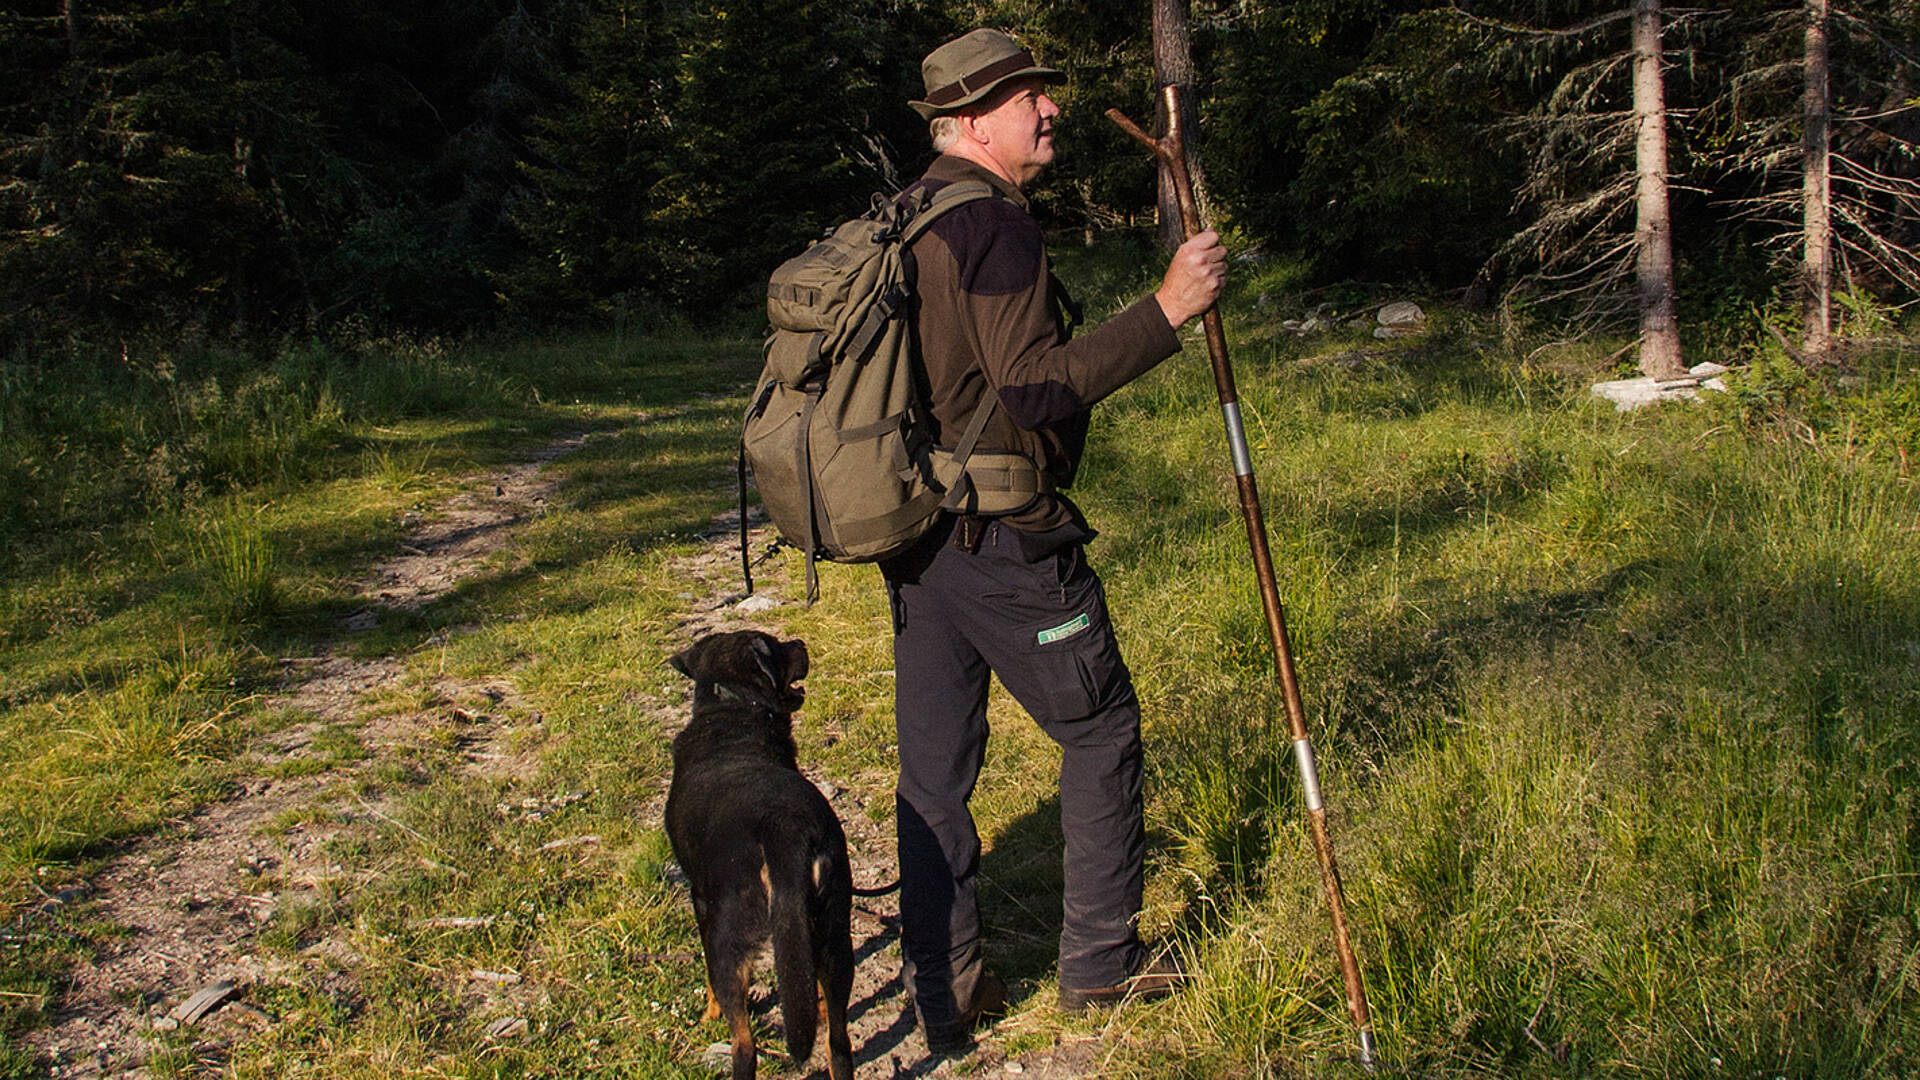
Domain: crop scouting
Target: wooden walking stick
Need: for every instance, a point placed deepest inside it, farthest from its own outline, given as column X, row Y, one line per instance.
column 1172, row 151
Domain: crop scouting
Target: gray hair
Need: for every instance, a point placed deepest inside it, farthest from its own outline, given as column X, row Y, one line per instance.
column 945, row 130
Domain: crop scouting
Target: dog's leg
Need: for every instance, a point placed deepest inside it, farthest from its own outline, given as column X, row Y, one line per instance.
column 833, row 1017
column 730, row 994
column 743, row 1049
column 713, row 1005
column 730, row 959
column 836, row 986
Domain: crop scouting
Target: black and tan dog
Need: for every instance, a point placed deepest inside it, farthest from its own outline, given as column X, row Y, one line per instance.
column 764, row 854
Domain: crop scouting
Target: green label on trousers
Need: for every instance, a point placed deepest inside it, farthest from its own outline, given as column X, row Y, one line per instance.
column 1065, row 630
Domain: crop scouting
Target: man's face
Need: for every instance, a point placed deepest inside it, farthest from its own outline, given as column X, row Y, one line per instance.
column 1018, row 129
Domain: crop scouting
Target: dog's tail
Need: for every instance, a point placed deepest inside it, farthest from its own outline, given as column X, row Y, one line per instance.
column 878, row 890
column 797, row 879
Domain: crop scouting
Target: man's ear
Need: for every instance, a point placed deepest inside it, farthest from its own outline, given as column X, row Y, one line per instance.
column 970, row 128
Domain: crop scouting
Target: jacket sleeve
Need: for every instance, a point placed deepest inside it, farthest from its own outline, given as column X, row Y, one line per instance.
column 1042, row 377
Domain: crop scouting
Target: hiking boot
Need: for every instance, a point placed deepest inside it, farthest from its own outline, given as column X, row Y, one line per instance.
column 1149, row 982
column 952, row 1036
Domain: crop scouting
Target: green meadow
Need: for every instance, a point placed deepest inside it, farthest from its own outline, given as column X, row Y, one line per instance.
column 1616, row 712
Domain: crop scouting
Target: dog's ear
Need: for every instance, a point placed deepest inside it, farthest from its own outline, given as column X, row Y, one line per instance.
column 682, row 662
column 765, row 657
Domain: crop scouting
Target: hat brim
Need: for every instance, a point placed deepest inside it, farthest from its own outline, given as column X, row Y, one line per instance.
column 928, row 110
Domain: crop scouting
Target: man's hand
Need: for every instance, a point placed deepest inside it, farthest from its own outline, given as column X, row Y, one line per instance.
column 1194, row 278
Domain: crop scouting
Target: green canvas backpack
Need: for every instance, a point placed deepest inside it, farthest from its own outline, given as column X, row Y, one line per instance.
column 837, row 433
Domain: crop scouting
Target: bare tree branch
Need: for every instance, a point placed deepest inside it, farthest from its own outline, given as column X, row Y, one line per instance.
column 1518, row 30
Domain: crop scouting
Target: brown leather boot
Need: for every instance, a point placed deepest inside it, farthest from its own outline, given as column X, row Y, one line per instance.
column 1151, row 981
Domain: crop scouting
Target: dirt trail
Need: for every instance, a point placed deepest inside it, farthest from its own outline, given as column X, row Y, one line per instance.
column 194, row 900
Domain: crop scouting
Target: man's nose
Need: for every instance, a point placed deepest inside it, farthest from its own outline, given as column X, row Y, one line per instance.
column 1047, row 108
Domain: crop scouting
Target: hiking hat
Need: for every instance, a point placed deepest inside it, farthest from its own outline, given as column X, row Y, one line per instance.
column 970, row 67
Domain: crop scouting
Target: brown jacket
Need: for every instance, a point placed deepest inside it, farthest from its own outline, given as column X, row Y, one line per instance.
column 989, row 322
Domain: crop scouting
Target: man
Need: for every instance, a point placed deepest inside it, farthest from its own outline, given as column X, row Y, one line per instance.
column 1013, row 594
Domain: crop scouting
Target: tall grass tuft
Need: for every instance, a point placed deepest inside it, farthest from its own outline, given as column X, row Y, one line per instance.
column 96, row 765
column 238, row 557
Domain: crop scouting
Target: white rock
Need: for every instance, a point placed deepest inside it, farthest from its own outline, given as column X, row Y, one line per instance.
column 756, row 602
column 1402, row 313
column 1629, row 394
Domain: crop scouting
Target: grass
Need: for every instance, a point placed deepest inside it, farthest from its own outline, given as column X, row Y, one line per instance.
column 1617, row 711
column 1614, row 710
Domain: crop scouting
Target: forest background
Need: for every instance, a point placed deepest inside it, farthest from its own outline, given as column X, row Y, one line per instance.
column 255, row 170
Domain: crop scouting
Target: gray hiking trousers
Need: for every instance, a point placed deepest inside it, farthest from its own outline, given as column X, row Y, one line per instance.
column 1039, row 621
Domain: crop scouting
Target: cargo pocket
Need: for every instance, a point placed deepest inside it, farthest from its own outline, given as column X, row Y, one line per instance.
column 1072, row 663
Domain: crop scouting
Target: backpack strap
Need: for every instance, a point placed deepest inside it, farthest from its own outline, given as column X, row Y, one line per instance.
column 964, row 450
column 919, row 215
column 952, row 196
column 746, row 561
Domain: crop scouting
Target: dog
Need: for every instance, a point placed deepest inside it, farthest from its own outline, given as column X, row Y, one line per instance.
column 764, row 854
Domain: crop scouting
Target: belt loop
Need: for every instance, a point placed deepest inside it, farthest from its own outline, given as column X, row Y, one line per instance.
column 968, row 531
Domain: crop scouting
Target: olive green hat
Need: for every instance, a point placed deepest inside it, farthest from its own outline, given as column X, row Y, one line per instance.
column 969, row 67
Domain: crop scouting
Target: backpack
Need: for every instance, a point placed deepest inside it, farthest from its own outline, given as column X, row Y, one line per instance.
column 838, row 432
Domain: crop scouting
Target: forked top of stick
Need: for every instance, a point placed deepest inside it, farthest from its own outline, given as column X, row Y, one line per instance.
column 1168, row 147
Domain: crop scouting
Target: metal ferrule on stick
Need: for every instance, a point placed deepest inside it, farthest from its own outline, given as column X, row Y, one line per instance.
column 1171, row 151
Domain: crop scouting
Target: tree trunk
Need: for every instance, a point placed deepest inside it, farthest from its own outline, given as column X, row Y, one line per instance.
column 1816, row 198
column 1173, row 63
column 1659, row 334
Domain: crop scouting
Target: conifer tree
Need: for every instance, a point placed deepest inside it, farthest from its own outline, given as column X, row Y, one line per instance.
column 1817, row 139
column 133, row 181
column 767, row 143
column 595, row 159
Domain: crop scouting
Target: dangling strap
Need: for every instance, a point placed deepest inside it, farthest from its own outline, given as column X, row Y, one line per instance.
column 758, row 403
column 803, row 452
column 746, row 562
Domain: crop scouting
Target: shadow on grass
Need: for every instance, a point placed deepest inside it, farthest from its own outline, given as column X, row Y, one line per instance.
column 1020, row 889
column 1390, row 679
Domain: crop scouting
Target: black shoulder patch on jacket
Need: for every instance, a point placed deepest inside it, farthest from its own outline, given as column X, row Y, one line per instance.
column 999, row 247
